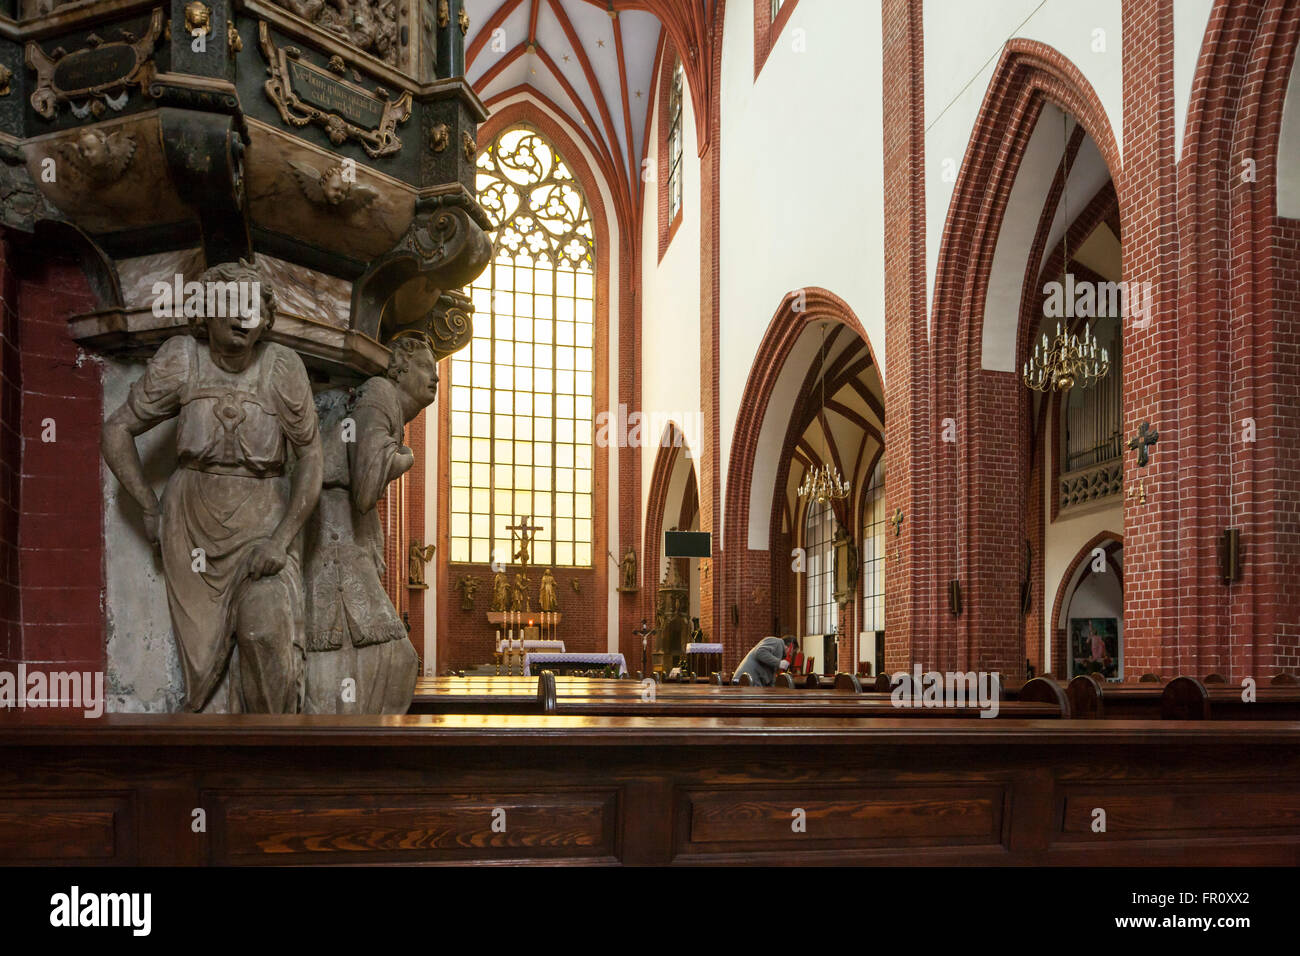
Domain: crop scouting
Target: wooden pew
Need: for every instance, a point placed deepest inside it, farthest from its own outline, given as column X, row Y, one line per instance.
column 1183, row 698
column 300, row 790
column 611, row 697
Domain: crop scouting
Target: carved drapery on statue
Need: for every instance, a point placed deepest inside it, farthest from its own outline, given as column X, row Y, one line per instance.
column 229, row 518
column 359, row 658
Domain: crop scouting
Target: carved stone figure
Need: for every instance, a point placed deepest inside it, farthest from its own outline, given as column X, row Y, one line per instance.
column 229, row 516
column 546, row 598
column 353, row 631
column 369, row 25
column 467, row 587
column 628, row 568
column 500, row 592
column 519, row 597
column 417, row 557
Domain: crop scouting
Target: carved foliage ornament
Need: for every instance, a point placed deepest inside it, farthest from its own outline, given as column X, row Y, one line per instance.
column 96, row 77
column 304, row 93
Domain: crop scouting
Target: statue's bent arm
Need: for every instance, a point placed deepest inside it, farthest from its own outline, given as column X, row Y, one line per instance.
column 117, row 444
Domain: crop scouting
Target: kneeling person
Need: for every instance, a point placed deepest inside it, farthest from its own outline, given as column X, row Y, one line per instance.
column 765, row 660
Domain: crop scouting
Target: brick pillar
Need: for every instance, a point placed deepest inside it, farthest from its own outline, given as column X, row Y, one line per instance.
column 909, row 429
column 59, row 493
column 1150, row 249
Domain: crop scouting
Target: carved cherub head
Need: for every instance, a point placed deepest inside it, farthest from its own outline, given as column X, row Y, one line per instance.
column 198, row 18
column 334, row 188
column 98, row 157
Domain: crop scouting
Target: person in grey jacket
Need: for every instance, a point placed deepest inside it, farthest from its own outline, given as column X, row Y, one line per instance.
column 763, row 662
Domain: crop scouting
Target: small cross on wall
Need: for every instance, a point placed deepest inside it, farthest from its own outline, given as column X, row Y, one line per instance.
column 1145, row 438
column 897, row 521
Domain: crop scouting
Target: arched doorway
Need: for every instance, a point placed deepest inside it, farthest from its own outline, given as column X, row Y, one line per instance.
column 1088, row 615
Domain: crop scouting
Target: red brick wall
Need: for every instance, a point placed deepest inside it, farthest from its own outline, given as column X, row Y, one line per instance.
column 1286, row 487
column 766, row 30
column 10, row 457
column 51, row 515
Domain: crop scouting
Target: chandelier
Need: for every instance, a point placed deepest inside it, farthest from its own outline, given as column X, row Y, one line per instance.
column 1068, row 360
column 824, row 483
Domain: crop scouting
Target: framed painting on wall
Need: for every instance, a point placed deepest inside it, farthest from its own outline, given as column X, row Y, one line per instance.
column 1094, row 646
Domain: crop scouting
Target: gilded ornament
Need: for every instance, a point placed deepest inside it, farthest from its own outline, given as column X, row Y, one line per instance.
column 439, row 137
column 198, row 18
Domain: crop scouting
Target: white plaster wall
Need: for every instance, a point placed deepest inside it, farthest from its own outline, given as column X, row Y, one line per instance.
column 1088, row 173
column 1062, row 540
column 801, row 174
column 1191, row 17
column 963, row 42
column 143, row 674
column 670, row 303
column 610, row 400
column 1288, row 149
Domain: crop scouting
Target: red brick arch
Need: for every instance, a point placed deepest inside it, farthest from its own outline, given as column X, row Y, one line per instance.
column 749, row 573
column 982, row 478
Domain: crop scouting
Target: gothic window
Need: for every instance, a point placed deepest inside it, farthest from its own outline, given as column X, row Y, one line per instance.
column 819, row 569
column 522, row 390
column 874, row 522
column 776, row 8
column 675, row 142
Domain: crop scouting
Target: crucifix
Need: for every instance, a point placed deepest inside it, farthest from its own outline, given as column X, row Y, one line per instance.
column 525, row 532
column 644, row 633
column 1145, row 438
column 897, row 521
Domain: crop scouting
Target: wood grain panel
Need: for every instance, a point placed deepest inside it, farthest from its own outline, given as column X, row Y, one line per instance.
column 1175, row 811
column 64, row 829
column 864, row 817
column 318, row 827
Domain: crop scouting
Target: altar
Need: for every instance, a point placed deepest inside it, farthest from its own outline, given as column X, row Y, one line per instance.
column 559, row 663
column 511, row 654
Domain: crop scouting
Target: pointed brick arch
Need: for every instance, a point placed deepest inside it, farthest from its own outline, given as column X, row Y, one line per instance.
column 980, row 481
column 749, row 574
